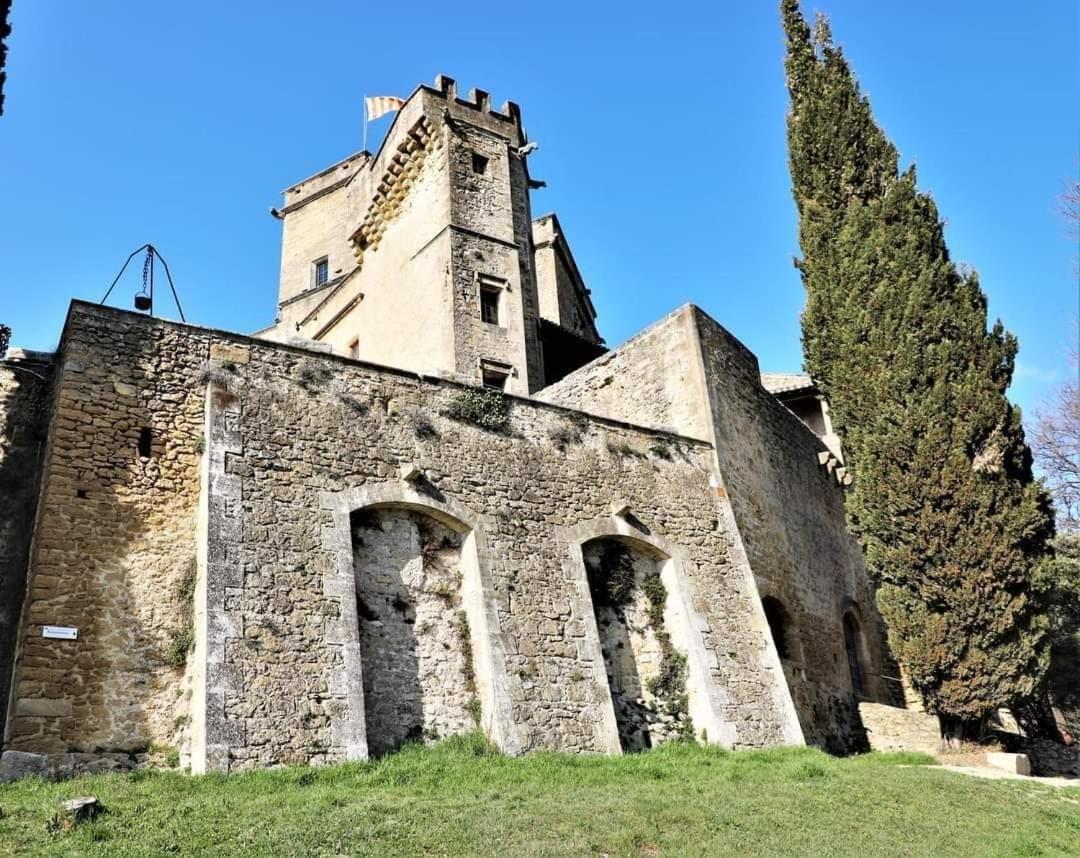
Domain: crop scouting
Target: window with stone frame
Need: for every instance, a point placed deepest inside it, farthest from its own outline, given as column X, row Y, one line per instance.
column 489, row 304
column 493, row 377
column 479, row 163
column 320, row 270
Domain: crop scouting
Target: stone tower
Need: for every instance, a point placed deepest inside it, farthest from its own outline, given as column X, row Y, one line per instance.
column 423, row 257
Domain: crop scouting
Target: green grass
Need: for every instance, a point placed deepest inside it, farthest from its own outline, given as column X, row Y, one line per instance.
column 460, row 799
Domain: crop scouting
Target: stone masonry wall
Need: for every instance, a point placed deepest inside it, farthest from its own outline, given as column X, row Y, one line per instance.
column 790, row 512
column 114, row 541
column 25, row 402
column 301, row 428
column 632, row 653
column 688, row 373
column 417, row 672
column 352, row 427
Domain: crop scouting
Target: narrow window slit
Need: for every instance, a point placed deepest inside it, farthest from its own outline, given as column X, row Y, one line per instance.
column 146, row 440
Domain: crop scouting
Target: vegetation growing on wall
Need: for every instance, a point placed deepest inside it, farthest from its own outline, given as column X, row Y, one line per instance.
column 614, row 585
column 952, row 523
column 182, row 640
column 489, row 409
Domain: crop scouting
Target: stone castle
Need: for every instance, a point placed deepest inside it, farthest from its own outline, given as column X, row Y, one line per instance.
column 426, row 499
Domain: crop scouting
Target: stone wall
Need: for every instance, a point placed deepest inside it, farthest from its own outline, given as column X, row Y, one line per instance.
column 892, row 728
column 418, row 671
column 25, row 402
column 633, row 649
column 297, row 442
column 315, row 224
column 790, row 512
column 686, row 372
column 115, row 540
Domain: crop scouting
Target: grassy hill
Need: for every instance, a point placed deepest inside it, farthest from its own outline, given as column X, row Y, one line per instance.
column 460, row 799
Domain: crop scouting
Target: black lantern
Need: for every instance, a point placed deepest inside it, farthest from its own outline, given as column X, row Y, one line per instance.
column 144, row 299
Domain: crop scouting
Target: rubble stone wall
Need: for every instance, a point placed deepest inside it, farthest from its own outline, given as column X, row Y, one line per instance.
column 25, row 403
column 687, row 373
column 417, row 670
column 115, row 540
column 790, row 513
column 300, row 431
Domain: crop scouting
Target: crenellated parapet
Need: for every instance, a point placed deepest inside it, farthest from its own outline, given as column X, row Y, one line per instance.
column 478, row 100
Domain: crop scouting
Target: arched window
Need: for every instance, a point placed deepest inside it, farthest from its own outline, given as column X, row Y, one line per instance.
column 780, row 626
column 852, row 637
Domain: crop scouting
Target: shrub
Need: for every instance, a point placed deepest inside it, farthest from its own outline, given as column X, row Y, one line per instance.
column 483, row 407
column 612, row 580
column 183, row 642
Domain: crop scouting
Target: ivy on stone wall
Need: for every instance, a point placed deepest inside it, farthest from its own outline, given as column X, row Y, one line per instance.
column 613, row 584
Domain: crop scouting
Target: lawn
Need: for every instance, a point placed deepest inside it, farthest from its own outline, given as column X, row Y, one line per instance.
column 460, row 799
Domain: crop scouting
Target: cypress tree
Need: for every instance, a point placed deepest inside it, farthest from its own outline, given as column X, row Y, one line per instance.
column 953, row 525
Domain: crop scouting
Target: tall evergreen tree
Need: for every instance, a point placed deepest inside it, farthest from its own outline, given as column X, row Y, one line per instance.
column 953, row 525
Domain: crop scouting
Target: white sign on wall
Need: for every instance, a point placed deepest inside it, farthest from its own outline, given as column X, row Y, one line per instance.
column 63, row 633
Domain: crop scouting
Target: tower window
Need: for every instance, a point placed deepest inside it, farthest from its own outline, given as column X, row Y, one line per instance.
column 489, row 304
column 322, row 271
column 479, row 163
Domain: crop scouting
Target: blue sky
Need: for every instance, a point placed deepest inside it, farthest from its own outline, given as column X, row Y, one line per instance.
column 661, row 131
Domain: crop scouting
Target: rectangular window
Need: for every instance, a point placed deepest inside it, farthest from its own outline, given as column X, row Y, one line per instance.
column 493, row 378
column 479, row 163
column 322, row 271
column 489, row 304
column 494, row 373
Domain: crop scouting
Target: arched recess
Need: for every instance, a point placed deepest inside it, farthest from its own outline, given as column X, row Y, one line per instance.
column 785, row 634
column 452, row 577
column 856, row 651
column 680, row 621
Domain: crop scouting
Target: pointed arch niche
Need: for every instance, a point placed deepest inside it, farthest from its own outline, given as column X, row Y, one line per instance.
column 421, row 656
column 626, row 645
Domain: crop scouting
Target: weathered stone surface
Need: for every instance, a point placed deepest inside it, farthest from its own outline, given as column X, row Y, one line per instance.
column 81, row 808
column 1015, row 763
column 25, row 403
column 43, row 708
column 21, row 764
column 892, row 728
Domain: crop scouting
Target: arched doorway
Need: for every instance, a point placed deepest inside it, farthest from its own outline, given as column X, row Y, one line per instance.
column 646, row 672
column 415, row 647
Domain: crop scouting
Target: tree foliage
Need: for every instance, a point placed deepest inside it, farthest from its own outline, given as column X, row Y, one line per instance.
column 1056, row 442
column 5, row 339
column 5, row 31
column 952, row 523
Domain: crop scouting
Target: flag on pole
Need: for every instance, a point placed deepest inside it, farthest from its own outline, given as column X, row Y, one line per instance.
column 380, row 105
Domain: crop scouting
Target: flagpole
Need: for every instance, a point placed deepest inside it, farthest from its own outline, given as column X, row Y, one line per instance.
column 365, row 123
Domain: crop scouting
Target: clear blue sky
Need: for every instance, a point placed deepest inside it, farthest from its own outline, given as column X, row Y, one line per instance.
column 661, row 128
